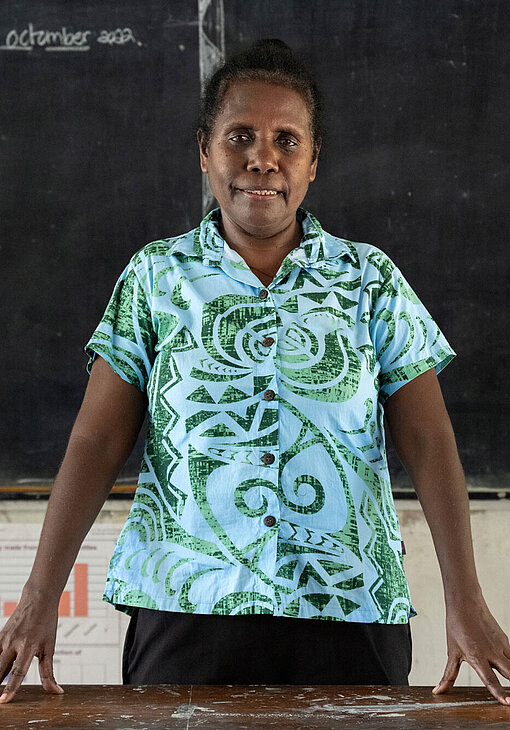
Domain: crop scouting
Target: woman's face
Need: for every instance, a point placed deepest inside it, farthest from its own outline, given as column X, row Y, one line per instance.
column 261, row 141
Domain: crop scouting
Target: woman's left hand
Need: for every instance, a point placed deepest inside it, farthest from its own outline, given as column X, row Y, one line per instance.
column 423, row 436
column 474, row 636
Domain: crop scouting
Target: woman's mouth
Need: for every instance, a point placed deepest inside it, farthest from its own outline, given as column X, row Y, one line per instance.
column 260, row 193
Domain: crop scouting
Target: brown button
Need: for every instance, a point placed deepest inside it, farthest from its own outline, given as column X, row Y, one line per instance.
column 267, row 341
column 263, row 294
column 268, row 458
column 269, row 521
column 269, row 395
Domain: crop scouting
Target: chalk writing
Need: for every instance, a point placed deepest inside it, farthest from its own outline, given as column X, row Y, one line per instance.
column 64, row 39
column 118, row 37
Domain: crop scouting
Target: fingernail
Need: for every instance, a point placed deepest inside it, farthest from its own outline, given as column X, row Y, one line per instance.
column 507, row 700
column 3, row 697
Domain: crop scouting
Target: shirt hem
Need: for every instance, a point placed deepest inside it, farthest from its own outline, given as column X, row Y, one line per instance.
column 247, row 610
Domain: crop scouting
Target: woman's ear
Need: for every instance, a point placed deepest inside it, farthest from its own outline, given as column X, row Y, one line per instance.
column 315, row 160
column 203, row 149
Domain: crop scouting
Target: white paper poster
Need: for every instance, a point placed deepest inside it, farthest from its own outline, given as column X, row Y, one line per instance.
column 90, row 632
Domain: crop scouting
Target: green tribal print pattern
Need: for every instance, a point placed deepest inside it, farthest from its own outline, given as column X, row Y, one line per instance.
column 264, row 485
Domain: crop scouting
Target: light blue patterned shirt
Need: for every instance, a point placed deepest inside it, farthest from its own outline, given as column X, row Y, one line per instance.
column 264, row 485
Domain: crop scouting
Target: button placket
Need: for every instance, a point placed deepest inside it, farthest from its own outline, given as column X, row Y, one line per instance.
column 264, row 297
column 270, row 395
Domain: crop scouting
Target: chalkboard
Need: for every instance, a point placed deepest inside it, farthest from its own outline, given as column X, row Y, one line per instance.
column 98, row 157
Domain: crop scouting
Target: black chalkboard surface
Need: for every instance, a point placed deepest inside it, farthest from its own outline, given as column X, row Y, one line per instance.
column 98, row 157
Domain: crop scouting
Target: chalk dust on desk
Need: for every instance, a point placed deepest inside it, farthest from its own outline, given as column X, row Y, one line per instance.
column 358, row 698
column 378, row 697
column 186, row 711
column 318, row 699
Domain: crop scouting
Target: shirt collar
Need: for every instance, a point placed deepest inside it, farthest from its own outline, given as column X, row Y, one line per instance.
column 316, row 247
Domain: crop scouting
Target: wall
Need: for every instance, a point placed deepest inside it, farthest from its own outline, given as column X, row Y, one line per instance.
column 89, row 648
column 491, row 539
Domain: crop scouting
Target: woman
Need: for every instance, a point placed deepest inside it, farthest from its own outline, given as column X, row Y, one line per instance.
column 267, row 353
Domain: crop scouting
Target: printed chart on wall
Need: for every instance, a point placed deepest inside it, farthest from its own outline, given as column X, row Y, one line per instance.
column 90, row 632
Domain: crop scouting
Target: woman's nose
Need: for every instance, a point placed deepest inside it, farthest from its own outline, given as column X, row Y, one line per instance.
column 262, row 157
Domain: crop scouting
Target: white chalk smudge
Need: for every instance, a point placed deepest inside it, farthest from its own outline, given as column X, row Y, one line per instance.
column 333, row 712
column 386, row 709
column 377, row 697
column 186, row 711
column 181, row 711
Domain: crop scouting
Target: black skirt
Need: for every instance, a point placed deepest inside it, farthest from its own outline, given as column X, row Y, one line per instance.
column 166, row 647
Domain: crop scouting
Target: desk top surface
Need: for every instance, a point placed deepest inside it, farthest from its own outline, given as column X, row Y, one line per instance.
column 252, row 706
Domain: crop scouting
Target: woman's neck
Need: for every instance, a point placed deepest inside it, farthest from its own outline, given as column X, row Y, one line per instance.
column 264, row 255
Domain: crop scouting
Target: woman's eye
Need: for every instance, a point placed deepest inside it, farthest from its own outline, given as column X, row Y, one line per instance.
column 245, row 138
column 287, row 142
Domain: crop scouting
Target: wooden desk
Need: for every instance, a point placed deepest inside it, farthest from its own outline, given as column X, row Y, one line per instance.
column 252, row 706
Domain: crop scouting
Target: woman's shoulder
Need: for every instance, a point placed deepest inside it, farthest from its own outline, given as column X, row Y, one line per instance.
column 162, row 248
column 366, row 257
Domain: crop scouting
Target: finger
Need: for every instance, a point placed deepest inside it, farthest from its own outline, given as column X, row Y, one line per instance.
column 502, row 664
column 492, row 683
column 450, row 675
column 48, row 680
column 18, row 672
column 6, row 661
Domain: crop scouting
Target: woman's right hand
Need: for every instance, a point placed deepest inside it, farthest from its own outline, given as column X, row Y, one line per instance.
column 102, row 438
column 30, row 631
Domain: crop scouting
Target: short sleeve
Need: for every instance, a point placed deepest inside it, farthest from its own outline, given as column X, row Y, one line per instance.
column 406, row 338
column 125, row 336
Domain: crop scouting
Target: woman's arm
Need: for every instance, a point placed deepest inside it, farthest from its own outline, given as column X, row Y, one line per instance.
column 423, row 437
column 102, row 438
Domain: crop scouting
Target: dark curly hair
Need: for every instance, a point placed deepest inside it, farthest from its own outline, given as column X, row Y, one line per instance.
column 268, row 59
